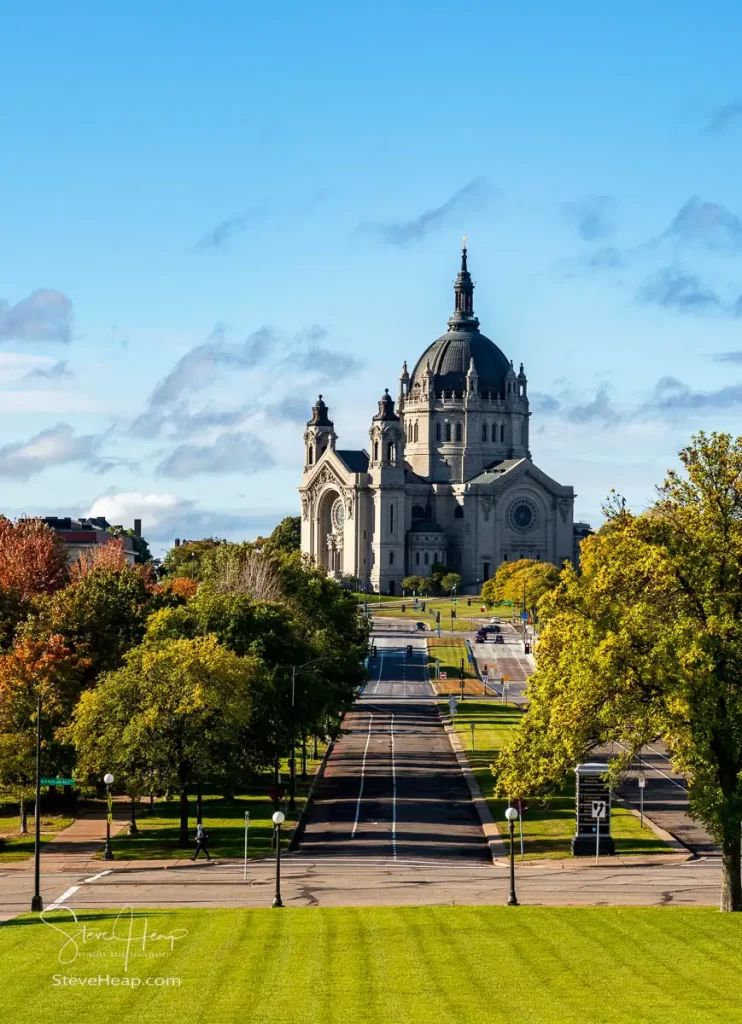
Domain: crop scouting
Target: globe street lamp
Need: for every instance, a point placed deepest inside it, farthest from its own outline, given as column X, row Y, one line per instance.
column 37, row 903
column 107, row 851
column 278, row 819
column 512, row 814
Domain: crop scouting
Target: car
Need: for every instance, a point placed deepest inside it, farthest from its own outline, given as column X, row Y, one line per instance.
column 495, row 619
column 480, row 638
column 499, row 639
column 420, row 625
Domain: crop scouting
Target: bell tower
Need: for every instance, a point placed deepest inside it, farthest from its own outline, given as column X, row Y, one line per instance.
column 319, row 435
column 386, row 469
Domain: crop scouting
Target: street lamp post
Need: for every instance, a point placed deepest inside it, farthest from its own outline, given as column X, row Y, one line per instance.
column 107, row 851
column 278, row 820
column 511, row 814
column 37, row 904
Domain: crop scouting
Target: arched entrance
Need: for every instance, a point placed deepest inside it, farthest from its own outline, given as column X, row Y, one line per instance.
column 330, row 527
column 391, row 588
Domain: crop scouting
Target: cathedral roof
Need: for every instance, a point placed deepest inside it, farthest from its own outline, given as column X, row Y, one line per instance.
column 463, row 345
column 355, row 461
column 425, row 526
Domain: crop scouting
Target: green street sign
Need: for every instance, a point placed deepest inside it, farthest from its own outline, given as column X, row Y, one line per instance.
column 57, row 782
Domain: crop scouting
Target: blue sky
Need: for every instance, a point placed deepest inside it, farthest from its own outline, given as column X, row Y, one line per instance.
column 209, row 214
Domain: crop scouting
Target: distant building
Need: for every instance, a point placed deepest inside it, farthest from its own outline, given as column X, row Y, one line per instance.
column 82, row 535
column 581, row 530
column 448, row 477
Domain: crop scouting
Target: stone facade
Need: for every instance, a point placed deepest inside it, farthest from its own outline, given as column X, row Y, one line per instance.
column 448, row 476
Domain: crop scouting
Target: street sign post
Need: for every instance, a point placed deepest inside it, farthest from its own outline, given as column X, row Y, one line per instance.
column 443, row 675
column 642, row 784
column 452, row 705
column 598, row 811
column 593, row 812
column 57, row 782
column 472, row 737
column 524, row 616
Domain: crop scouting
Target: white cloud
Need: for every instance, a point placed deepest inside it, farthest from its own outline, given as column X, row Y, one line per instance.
column 125, row 506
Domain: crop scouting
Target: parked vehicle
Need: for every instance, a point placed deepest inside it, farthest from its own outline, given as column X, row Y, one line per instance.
column 499, row 639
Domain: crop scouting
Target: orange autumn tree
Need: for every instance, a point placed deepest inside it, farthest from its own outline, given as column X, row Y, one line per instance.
column 33, row 558
column 50, row 670
column 110, row 555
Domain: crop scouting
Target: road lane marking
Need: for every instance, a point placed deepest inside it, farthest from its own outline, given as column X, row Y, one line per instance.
column 394, row 792
column 381, row 669
column 363, row 776
column 65, row 896
column 94, row 878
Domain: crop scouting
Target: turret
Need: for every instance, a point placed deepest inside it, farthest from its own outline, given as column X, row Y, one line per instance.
column 523, row 382
column 319, row 435
column 404, row 384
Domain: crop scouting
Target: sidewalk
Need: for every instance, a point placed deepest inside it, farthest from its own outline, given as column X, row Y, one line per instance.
column 74, row 848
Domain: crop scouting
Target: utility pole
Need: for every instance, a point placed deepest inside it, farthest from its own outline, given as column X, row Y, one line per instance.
column 37, row 904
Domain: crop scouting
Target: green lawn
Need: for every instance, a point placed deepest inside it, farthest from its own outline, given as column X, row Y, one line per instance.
column 224, row 822
column 14, row 846
column 406, row 965
column 450, row 651
column 547, row 827
column 467, row 617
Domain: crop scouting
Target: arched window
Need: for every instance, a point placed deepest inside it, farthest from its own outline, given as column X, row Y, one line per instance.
column 391, row 558
column 448, row 431
column 418, row 512
column 502, row 433
column 437, row 431
column 494, row 432
column 391, row 451
column 484, row 431
column 415, row 430
column 417, row 558
column 391, row 518
column 459, row 432
column 376, row 451
column 310, row 455
column 458, row 513
column 425, row 558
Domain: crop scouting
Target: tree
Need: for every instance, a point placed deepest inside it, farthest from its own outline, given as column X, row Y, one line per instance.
column 180, row 708
column 647, row 642
column 110, row 555
column 141, row 548
column 420, row 584
column 100, row 616
column 513, row 580
column 286, row 537
column 451, row 581
column 190, row 558
column 33, row 558
column 241, row 568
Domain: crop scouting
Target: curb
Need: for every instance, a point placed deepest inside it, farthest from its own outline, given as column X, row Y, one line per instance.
column 661, row 833
column 309, row 802
column 495, row 842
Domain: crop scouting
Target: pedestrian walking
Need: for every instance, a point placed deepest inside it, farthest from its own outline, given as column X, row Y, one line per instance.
column 202, row 842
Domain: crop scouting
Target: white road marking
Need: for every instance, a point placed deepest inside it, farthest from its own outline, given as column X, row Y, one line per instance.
column 65, row 896
column 394, row 792
column 652, row 768
column 381, row 669
column 94, row 878
column 363, row 776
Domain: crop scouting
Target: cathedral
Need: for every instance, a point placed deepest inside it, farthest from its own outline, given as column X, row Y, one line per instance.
column 447, row 478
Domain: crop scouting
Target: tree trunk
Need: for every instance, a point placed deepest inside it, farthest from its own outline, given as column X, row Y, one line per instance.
column 304, row 755
column 198, row 803
column 24, row 818
column 151, row 809
column 731, row 876
column 315, row 746
column 183, row 836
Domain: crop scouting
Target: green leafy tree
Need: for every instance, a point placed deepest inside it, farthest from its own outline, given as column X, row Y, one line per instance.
column 647, row 642
column 514, row 580
column 420, row 584
column 190, row 559
column 178, row 709
column 451, row 581
column 286, row 538
column 100, row 616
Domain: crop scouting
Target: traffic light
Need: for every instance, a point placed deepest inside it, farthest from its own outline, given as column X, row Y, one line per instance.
column 453, row 613
column 408, row 653
column 438, row 616
column 468, row 601
column 373, row 651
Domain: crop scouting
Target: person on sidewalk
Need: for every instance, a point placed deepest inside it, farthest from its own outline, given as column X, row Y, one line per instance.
column 202, row 842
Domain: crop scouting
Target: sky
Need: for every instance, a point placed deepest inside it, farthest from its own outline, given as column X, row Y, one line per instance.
column 209, row 214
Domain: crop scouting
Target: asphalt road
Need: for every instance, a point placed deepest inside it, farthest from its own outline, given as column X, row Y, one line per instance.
column 392, row 786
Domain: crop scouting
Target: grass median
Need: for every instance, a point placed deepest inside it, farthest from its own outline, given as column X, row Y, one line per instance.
column 376, row 965
column 468, row 617
column 548, row 826
column 15, row 845
column 449, row 652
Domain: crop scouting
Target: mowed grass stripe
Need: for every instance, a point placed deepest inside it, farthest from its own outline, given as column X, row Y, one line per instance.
column 407, row 965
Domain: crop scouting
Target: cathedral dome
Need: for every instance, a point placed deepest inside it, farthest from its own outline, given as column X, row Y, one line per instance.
column 461, row 347
column 450, row 356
